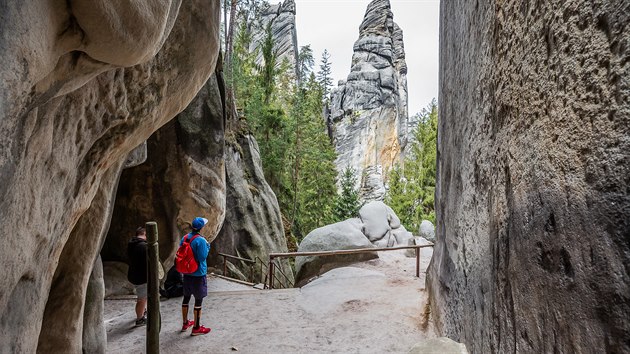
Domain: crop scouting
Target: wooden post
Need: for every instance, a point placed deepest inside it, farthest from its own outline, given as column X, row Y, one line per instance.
column 270, row 273
column 418, row 262
column 153, row 283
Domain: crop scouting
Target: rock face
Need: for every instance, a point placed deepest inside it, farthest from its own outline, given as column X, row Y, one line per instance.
column 532, row 199
column 253, row 224
column 183, row 177
column 281, row 18
column 368, row 112
column 82, row 84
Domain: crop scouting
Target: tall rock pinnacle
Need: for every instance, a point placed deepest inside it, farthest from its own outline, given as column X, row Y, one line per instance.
column 368, row 112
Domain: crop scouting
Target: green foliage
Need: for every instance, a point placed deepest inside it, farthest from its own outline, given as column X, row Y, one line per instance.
column 412, row 185
column 286, row 119
column 347, row 203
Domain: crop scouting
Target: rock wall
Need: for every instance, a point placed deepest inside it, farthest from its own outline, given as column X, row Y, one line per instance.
column 281, row 17
column 183, row 177
column 253, row 223
column 533, row 206
column 82, row 84
column 368, row 112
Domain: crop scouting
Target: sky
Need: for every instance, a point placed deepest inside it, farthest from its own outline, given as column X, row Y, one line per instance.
column 334, row 25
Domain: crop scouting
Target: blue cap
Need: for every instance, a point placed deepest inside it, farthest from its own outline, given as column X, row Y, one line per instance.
column 199, row 222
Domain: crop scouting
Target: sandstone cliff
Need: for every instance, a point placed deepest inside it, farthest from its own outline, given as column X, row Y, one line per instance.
column 83, row 83
column 183, row 177
column 533, row 207
column 368, row 112
column 253, row 223
column 281, row 18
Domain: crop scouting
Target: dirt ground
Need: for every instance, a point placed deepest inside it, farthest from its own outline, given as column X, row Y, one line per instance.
column 371, row 307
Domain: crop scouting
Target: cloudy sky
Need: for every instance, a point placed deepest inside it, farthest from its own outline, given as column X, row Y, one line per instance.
column 334, row 25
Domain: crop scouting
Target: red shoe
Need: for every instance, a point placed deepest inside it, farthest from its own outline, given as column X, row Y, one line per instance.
column 187, row 325
column 200, row 331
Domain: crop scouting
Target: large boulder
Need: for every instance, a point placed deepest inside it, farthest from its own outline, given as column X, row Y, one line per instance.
column 82, row 84
column 368, row 114
column 345, row 235
column 532, row 201
column 379, row 220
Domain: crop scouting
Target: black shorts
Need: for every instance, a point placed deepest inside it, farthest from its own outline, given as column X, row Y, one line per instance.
column 195, row 286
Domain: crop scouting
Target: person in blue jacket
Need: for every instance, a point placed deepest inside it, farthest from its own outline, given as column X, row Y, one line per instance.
column 195, row 283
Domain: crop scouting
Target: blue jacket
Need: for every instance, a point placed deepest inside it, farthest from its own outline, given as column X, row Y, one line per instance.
column 200, row 248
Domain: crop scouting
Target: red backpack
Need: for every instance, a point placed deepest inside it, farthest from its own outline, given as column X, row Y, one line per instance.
column 185, row 262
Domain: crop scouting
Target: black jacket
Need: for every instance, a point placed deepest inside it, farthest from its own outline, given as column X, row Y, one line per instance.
column 137, row 255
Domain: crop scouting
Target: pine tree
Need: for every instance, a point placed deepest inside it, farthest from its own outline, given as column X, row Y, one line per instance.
column 305, row 63
column 324, row 75
column 347, row 203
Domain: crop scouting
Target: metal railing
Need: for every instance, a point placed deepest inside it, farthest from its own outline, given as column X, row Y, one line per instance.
column 270, row 277
column 251, row 263
column 273, row 256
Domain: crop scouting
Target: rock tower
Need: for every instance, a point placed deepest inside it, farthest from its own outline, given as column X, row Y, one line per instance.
column 368, row 113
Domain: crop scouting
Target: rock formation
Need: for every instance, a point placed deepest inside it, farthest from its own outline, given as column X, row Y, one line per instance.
column 533, row 208
column 368, row 112
column 83, row 83
column 281, row 18
column 253, row 224
column 377, row 226
column 183, row 177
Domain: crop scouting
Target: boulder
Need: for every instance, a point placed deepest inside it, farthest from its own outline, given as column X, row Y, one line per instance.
column 81, row 85
column 344, row 235
column 532, row 202
column 427, row 230
column 115, row 277
column 378, row 220
column 368, row 113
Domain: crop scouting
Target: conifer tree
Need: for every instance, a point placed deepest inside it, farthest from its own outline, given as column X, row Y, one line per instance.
column 347, row 203
column 324, row 75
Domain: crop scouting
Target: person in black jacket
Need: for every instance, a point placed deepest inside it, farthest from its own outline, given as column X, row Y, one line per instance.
column 137, row 274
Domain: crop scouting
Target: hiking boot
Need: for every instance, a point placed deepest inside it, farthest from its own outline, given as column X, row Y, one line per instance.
column 201, row 330
column 187, row 325
column 141, row 321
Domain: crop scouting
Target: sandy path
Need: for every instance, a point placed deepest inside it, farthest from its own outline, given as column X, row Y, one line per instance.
column 371, row 307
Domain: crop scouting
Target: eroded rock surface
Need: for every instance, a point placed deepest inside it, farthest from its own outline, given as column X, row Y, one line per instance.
column 183, row 177
column 83, row 83
column 253, row 224
column 368, row 111
column 533, row 208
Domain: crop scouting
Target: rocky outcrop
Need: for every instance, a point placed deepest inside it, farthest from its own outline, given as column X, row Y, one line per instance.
column 183, row 177
column 532, row 198
column 281, row 18
column 83, row 83
column 253, row 224
column 368, row 112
